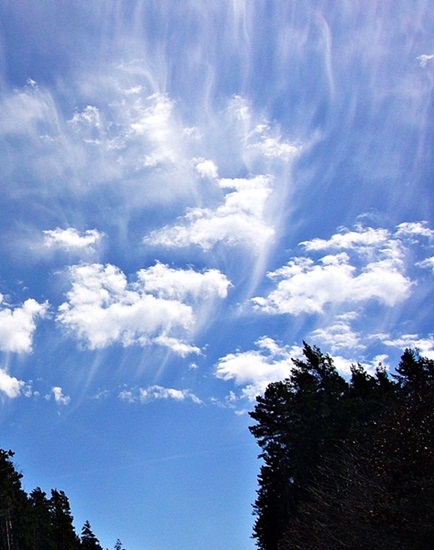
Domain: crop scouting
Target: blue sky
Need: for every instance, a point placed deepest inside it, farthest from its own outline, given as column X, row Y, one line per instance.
column 189, row 189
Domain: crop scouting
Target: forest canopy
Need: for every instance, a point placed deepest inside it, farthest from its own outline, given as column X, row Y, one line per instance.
column 37, row 521
column 346, row 463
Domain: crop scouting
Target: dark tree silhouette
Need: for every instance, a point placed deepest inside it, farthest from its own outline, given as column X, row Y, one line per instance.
column 346, row 464
column 88, row 539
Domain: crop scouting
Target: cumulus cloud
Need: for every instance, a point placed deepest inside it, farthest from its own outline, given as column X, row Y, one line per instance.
column 365, row 237
column 261, row 140
column 338, row 335
column 71, row 239
column 239, row 220
column 10, row 386
column 415, row 341
column 415, row 229
column 158, row 308
column 154, row 393
column 206, row 168
column 17, row 325
column 255, row 369
column 306, row 286
column 427, row 263
column 368, row 264
column 58, row 396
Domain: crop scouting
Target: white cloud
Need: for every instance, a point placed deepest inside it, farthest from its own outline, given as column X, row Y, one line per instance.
column 424, row 345
column 365, row 237
column 18, row 324
column 155, row 123
column 427, row 263
column 28, row 111
column 262, row 141
column 304, row 286
column 71, row 239
column 369, row 265
column 338, row 334
column 239, row 220
column 10, row 385
column 58, row 396
column 255, row 369
column 170, row 283
column 154, row 393
column 424, row 58
column 206, row 168
column 419, row 229
column 158, row 308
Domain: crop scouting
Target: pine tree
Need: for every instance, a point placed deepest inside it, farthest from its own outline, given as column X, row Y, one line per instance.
column 42, row 530
column 15, row 529
column 88, row 539
column 297, row 422
column 64, row 535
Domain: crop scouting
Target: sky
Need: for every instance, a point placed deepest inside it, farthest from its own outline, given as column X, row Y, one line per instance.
column 188, row 191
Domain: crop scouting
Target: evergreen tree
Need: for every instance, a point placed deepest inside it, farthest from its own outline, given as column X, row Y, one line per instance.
column 42, row 531
column 15, row 529
column 118, row 545
column 346, row 465
column 64, row 535
column 88, row 539
column 297, row 422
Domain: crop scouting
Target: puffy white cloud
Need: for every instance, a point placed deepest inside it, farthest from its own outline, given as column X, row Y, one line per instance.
column 261, row 141
column 368, row 265
column 239, row 220
column 427, row 263
column 18, row 324
column 206, row 168
column 365, row 237
column 158, row 308
column 9, row 385
column 338, row 334
column 153, row 393
column 71, row 239
column 170, row 283
column 424, row 345
column 304, row 286
column 415, row 229
column 255, row 369
column 58, row 396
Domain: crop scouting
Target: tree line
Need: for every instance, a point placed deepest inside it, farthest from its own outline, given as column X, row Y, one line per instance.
column 35, row 521
column 346, row 463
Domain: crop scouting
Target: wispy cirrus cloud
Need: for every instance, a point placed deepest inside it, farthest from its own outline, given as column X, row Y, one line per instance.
column 103, row 308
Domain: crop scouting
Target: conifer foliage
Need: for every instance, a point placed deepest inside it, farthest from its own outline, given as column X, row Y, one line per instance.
column 34, row 521
column 347, row 464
